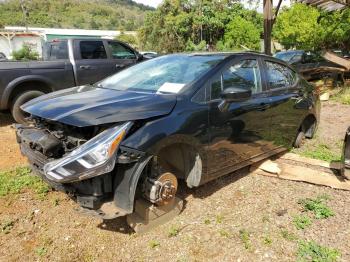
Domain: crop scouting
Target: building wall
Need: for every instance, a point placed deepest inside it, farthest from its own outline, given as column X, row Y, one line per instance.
column 17, row 43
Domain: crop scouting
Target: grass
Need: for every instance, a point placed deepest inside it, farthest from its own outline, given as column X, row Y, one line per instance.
column 219, row 219
column 321, row 152
column 154, row 243
column 267, row 241
column 311, row 251
column 245, row 237
column 302, row 222
column 317, row 206
column 17, row 180
column 173, row 231
column 41, row 251
column 288, row 235
column 207, row 221
column 224, row 233
column 7, row 226
column 343, row 96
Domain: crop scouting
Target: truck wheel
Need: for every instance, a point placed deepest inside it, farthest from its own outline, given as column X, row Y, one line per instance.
column 18, row 114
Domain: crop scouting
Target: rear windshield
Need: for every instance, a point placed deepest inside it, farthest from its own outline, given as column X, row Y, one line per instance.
column 56, row 50
column 166, row 74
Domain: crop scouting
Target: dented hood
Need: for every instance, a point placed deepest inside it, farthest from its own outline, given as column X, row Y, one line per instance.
column 88, row 106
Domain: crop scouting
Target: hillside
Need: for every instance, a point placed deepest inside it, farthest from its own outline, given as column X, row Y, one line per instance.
column 85, row 14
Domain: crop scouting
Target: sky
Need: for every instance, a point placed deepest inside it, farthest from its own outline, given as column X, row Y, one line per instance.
column 155, row 3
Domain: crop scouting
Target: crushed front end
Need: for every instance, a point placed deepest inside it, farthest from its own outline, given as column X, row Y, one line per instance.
column 81, row 161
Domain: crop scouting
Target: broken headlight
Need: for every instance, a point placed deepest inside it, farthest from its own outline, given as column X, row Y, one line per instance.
column 96, row 157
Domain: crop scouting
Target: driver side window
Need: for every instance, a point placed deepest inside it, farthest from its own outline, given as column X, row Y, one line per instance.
column 245, row 74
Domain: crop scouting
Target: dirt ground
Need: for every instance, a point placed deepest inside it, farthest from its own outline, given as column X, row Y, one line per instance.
column 328, row 141
column 240, row 217
column 10, row 155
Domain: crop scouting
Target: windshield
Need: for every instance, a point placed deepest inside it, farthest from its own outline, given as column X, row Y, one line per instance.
column 166, row 74
column 289, row 56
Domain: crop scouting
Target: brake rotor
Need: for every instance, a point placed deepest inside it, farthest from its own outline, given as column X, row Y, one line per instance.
column 162, row 189
column 168, row 188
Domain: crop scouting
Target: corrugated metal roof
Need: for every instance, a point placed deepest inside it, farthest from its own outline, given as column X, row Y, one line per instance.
column 328, row 5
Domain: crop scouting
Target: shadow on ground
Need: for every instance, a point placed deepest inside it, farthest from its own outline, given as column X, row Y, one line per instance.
column 6, row 119
column 120, row 225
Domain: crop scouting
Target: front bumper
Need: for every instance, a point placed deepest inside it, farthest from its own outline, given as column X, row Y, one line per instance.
column 95, row 195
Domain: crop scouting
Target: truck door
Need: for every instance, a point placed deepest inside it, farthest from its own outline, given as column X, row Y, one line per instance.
column 121, row 55
column 91, row 61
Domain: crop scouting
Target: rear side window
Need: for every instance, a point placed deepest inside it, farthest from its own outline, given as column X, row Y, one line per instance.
column 280, row 76
column 121, row 52
column 92, row 50
column 56, row 50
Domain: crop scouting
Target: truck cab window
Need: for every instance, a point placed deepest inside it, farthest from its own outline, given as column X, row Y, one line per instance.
column 56, row 50
column 92, row 50
column 121, row 52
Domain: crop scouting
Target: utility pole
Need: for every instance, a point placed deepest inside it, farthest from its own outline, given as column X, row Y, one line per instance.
column 268, row 21
column 25, row 14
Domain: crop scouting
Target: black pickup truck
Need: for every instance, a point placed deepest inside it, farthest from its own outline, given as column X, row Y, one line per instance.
column 66, row 63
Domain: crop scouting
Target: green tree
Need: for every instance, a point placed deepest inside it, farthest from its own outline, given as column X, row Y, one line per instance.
column 298, row 27
column 127, row 38
column 240, row 33
column 335, row 31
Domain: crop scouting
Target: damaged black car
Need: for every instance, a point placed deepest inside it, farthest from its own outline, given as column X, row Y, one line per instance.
column 191, row 117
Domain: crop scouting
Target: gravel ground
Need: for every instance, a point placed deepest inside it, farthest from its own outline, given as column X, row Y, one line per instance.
column 241, row 217
column 209, row 227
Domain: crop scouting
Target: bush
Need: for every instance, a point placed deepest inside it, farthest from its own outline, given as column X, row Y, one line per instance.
column 190, row 46
column 25, row 53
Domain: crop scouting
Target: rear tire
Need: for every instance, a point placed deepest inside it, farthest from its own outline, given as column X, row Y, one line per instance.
column 18, row 114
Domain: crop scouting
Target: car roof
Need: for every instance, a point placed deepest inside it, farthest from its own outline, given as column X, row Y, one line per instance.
column 225, row 54
column 291, row 51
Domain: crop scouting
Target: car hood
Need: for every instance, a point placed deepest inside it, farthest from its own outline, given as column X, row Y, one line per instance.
column 88, row 106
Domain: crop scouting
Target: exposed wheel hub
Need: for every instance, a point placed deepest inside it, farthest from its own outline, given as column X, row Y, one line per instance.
column 162, row 189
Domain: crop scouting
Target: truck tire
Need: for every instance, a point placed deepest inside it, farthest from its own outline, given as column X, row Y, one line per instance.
column 18, row 114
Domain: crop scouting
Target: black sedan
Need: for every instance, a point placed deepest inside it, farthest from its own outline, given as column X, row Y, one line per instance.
column 193, row 117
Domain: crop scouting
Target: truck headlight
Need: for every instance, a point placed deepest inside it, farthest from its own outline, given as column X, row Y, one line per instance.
column 96, row 157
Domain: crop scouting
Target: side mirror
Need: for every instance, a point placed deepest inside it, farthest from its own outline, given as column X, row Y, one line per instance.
column 233, row 94
column 139, row 57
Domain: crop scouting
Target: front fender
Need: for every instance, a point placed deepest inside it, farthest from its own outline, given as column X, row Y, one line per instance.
column 125, row 184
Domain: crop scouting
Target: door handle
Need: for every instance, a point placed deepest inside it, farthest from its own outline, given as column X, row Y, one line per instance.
column 119, row 66
column 86, row 67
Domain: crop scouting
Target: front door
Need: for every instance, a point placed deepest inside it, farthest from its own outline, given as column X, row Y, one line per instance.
column 122, row 56
column 243, row 131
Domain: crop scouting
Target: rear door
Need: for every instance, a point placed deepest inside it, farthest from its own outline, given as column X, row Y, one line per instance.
column 91, row 61
column 243, row 132
column 286, row 102
column 121, row 55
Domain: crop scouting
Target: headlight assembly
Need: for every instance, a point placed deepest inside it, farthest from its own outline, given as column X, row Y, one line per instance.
column 96, row 157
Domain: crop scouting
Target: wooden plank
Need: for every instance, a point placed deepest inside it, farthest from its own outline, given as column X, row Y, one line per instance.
column 309, row 161
column 308, row 175
column 330, row 56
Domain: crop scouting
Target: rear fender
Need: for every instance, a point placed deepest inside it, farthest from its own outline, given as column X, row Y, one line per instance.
column 5, row 99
